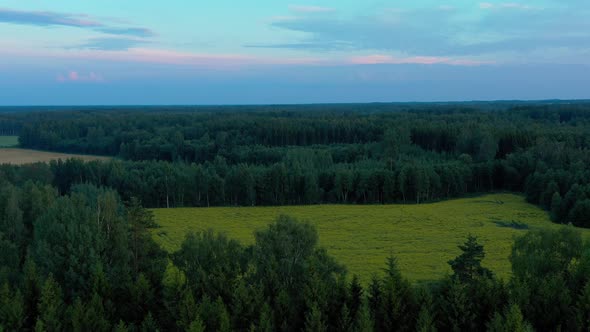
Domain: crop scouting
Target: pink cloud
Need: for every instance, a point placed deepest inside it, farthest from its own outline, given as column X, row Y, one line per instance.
column 310, row 9
column 74, row 76
column 214, row 61
column 387, row 59
column 422, row 60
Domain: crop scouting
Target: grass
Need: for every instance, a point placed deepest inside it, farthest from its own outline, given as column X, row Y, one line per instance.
column 24, row 156
column 422, row 237
column 8, row 141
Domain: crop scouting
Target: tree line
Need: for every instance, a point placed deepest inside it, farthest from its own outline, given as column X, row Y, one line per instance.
column 356, row 154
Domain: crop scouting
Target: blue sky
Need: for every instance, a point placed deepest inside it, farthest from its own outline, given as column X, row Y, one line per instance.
column 64, row 52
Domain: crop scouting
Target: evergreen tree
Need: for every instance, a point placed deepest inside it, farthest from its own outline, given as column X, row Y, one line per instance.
column 76, row 313
column 196, row 326
column 344, row 319
column 50, row 307
column 457, row 312
column 426, row 321
column 398, row 306
column 12, row 312
column 224, row 319
column 187, row 310
column 511, row 321
column 583, row 307
column 95, row 318
column 121, row 327
column 31, row 293
column 467, row 266
column 375, row 300
column 313, row 320
column 363, row 321
column 355, row 298
column 265, row 323
column 40, row 327
column 149, row 324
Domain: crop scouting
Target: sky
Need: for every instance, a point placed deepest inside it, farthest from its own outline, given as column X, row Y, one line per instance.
column 120, row 52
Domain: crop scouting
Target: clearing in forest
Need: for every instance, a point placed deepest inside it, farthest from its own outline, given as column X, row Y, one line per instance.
column 24, row 156
column 8, row 141
column 422, row 237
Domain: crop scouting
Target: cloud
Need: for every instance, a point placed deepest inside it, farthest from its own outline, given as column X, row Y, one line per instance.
column 500, row 29
column 41, row 18
column 46, row 19
column 137, row 32
column 310, row 9
column 213, row 60
column 420, row 60
column 138, row 55
column 391, row 31
column 506, row 5
column 110, row 44
column 316, row 46
column 74, row 76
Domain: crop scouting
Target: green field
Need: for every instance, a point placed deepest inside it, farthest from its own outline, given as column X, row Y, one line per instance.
column 422, row 237
column 8, row 141
column 17, row 156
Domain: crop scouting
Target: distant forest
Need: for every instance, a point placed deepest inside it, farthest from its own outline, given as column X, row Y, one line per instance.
column 350, row 154
column 76, row 245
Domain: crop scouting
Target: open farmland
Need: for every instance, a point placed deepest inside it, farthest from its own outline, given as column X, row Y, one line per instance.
column 24, row 156
column 422, row 237
column 8, row 141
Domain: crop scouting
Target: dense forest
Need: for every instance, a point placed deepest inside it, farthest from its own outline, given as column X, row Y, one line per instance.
column 86, row 261
column 360, row 154
column 76, row 246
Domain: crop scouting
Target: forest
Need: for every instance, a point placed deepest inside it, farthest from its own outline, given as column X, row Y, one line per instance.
column 77, row 254
column 349, row 154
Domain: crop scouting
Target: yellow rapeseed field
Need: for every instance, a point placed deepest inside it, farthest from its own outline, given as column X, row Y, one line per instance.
column 422, row 237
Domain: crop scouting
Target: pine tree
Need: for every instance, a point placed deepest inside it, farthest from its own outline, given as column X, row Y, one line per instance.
column 313, row 320
column 398, row 306
column 515, row 321
column 76, row 313
column 344, row 319
column 142, row 299
column 467, row 266
column 363, row 321
column 511, row 321
column 375, row 301
column 149, row 324
column 11, row 309
column 51, row 306
column 12, row 221
column 196, row 326
column 121, row 327
column 31, row 293
column 223, row 318
column 456, row 310
column 95, row 318
column 266, row 319
column 355, row 297
column 140, row 220
column 187, row 310
column 425, row 321
column 40, row 327
column 583, row 306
